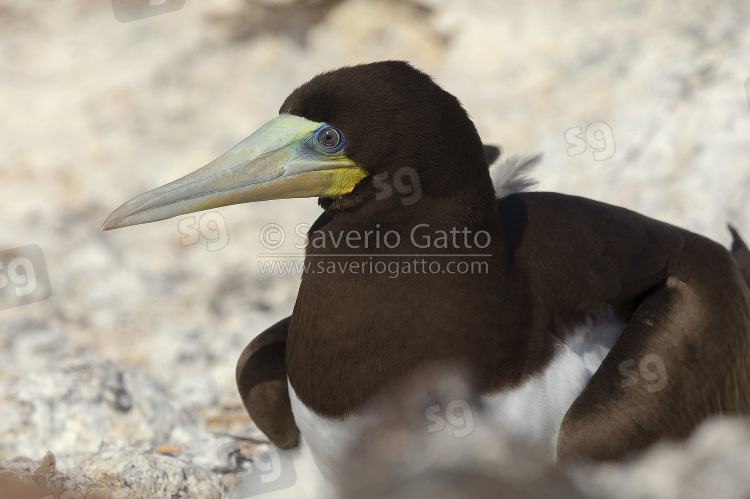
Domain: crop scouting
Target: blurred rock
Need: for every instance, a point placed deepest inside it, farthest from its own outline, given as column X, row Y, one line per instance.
column 714, row 462
column 433, row 439
column 74, row 408
column 148, row 475
column 24, row 478
column 112, row 473
column 242, row 19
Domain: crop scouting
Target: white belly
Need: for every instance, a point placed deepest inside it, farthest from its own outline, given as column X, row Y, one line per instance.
column 531, row 412
column 534, row 411
column 327, row 439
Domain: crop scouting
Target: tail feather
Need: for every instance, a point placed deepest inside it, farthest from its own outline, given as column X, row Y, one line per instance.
column 741, row 254
column 491, row 153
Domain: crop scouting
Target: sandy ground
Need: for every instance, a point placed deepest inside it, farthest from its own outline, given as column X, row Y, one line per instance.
column 640, row 104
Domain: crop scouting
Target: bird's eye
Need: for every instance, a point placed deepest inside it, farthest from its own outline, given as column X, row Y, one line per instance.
column 330, row 139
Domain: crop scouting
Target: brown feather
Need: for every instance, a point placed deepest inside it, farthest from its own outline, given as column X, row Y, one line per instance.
column 262, row 383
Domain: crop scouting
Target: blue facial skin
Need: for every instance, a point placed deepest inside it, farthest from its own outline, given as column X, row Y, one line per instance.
column 329, row 150
column 310, row 149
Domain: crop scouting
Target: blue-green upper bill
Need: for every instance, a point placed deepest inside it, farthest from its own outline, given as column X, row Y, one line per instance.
column 280, row 160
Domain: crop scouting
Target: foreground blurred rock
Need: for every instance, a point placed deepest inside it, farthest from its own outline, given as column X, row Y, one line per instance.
column 715, row 462
column 434, row 440
column 416, row 450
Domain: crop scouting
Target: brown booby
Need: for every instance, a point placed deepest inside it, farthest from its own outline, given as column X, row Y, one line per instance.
column 559, row 306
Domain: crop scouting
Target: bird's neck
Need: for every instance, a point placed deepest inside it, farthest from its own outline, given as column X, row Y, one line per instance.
column 385, row 294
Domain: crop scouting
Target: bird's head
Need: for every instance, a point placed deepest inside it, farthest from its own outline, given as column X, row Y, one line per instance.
column 338, row 137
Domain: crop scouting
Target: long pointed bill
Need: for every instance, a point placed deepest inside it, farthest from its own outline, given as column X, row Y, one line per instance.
column 280, row 160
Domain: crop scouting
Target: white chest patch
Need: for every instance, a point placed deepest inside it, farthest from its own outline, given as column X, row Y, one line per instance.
column 327, row 439
column 532, row 412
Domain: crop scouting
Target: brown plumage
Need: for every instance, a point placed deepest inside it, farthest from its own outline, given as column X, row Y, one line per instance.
column 556, row 261
column 540, row 267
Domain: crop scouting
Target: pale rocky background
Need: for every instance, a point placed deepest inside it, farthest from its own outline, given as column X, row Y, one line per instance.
column 127, row 371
